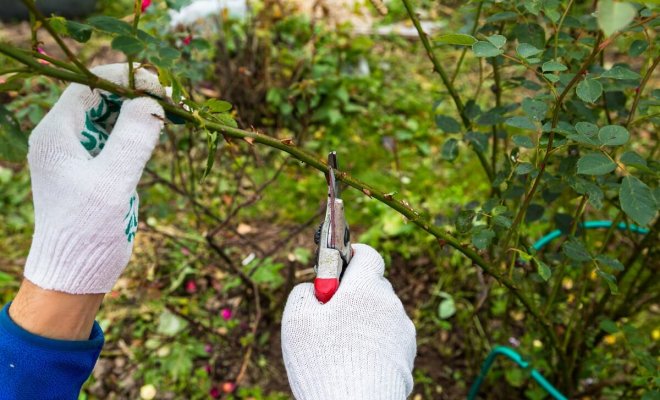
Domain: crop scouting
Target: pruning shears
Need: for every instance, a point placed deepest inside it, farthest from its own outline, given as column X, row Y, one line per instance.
column 333, row 239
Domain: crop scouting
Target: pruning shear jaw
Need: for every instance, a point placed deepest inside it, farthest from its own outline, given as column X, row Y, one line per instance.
column 334, row 251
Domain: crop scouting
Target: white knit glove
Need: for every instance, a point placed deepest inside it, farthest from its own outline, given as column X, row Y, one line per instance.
column 359, row 345
column 84, row 181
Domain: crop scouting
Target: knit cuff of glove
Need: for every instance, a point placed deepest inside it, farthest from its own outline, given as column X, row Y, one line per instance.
column 376, row 379
column 61, row 260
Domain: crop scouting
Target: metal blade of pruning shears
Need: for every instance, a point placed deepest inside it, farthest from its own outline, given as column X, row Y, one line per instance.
column 333, row 240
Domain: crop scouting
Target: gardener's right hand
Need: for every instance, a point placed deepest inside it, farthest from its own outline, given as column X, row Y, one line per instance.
column 359, row 345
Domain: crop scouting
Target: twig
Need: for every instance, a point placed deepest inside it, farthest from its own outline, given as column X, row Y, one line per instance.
column 40, row 17
column 561, row 22
column 465, row 49
column 137, row 10
column 448, row 84
column 640, row 89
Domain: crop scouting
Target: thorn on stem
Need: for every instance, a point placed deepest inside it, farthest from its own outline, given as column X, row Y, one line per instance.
column 158, row 117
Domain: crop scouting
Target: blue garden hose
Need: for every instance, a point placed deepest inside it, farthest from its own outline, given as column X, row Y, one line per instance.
column 517, row 358
column 512, row 354
column 587, row 225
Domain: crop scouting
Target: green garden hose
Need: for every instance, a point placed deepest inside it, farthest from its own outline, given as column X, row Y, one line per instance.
column 517, row 358
column 512, row 354
column 587, row 225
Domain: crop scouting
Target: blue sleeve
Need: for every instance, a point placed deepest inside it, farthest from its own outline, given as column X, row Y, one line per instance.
column 35, row 367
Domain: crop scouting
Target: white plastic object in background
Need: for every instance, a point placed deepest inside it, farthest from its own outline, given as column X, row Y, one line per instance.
column 201, row 9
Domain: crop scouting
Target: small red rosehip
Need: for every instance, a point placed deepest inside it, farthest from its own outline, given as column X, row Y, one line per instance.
column 191, row 287
column 145, row 4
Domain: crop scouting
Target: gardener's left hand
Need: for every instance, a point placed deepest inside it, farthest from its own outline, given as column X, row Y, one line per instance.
column 83, row 184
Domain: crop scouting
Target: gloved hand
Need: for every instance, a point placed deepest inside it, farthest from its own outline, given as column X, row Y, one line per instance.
column 359, row 345
column 84, row 181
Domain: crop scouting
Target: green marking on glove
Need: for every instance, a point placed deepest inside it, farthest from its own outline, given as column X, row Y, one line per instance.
column 99, row 121
column 131, row 217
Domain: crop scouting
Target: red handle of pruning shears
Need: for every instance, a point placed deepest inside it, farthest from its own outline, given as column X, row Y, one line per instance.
column 333, row 240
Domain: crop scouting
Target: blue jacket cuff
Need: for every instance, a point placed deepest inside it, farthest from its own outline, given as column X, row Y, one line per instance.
column 35, row 367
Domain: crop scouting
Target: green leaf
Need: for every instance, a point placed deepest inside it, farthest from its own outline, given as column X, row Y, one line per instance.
column 501, row 16
column 148, row 38
column 497, row 40
column 212, row 147
column 481, row 240
column 447, row 124
column 535, row 109
column 586, row 128
column 6, row 278
column 458, row 39
column 526, row 50
column 638, row 47
column 608, row 326
column 176, row 4
column 610, row 262
column 169, row 324
column 533, row 34
column 269, row 274
column 464, row 221
column 533, row 6
column 586, row 133
column 522, row 123
column 637, row 200
column 589, row 90
column 610, row 279
column 524, row 168
column 79, row 32
column 450, row 149
column 551, row 77
column 613, row 135
column 58, row 24
column 13, row 143
column 217, row 106
column 575, row 250
column 523, row 141
column 169, row 53
column 553, row 66
column 595, row 164
column 632, row 159
column 586, row 187
column 225, row 119
column 614, row 16
column 523, row 255
column 446, row 308
column 619, row 72
column 502, row 221
column 110, row 24
column 485, row 49
column 543, row 269
column 127, row 45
